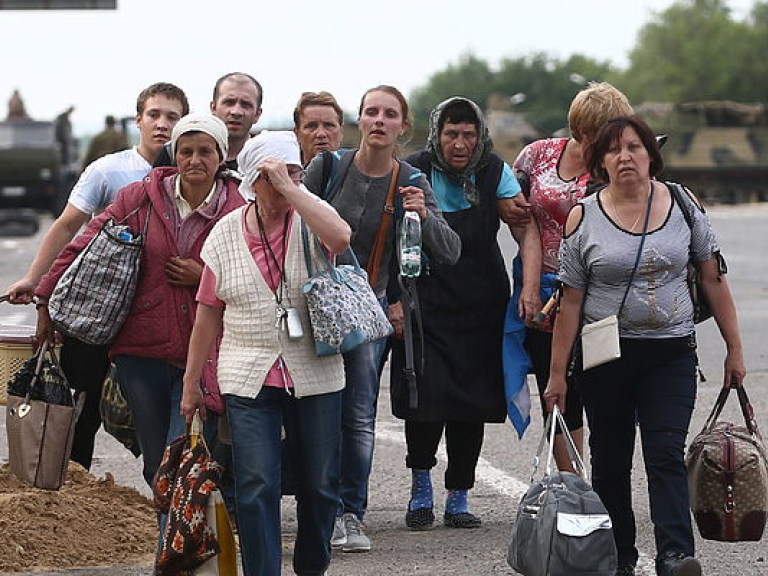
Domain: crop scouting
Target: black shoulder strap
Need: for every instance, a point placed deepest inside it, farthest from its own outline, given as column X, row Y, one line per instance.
column 677, row 194
column 329, row 164
column 686, row 205
column 335, row 168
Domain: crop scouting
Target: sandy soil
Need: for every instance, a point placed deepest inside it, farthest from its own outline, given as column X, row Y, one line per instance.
column 88, row 522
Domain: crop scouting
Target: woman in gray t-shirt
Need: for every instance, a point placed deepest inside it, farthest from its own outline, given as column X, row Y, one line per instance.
column 360, row 197
column 653, row 384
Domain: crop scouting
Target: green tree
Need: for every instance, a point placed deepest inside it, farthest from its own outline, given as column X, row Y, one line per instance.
column 469, row 77
column 694, row 50
column 690, row 51
column 751, row 80
column 548, row 85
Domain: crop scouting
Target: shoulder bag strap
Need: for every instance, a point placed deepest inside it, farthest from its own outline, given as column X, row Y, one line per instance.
column 124, row 219
column 336, row 165
column 374, row 262
column 329, row 161
column 325, row 261
column 305, row 244
column 686, row 205
column 639, row 250
column 677, row 194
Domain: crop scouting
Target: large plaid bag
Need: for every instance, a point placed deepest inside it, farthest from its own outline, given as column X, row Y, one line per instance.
column 93, row 297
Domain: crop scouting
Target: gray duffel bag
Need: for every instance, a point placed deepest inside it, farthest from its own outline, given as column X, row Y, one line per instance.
column 562, row 527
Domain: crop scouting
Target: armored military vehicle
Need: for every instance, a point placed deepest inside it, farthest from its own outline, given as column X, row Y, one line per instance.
column 33, row 173
column 719, row 149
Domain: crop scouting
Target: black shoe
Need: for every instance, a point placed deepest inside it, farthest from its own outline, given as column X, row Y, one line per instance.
column 627, row 570
column 461, row 520
column 420, row 519
column 677, row 564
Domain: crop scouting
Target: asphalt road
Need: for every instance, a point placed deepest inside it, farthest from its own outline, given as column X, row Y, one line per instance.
column 506, row 465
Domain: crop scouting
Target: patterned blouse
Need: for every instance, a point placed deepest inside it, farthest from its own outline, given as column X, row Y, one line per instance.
column 551, row 197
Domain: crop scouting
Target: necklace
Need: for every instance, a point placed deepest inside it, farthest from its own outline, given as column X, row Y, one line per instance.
column 268, row 252
column 639, row 213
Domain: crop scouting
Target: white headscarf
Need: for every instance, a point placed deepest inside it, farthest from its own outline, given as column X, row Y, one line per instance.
column 206, row 123
column 267, row 144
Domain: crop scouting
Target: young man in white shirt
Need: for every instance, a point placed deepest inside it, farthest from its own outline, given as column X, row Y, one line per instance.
column 158, row 108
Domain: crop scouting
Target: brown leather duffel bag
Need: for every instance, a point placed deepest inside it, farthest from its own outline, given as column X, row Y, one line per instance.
column 728, row 476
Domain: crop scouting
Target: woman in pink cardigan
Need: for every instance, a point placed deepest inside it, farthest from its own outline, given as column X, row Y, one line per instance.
column 182, row 204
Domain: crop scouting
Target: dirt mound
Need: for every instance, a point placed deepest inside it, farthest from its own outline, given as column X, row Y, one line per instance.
column 88, row 522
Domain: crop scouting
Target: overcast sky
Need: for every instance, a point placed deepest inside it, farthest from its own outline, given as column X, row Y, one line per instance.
column 98, row 61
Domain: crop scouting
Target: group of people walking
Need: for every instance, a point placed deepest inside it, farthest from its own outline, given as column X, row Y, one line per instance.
column 224, row 264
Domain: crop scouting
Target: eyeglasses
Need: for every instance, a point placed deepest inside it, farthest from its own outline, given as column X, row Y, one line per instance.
column 297, row 174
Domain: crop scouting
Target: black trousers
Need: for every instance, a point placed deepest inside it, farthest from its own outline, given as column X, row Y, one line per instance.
column 539, row 347
column 463, row 442
column 85, row 367
column 652, row 387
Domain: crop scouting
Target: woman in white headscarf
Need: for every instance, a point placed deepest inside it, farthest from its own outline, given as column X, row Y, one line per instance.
column 178, row 206
column 269, row 374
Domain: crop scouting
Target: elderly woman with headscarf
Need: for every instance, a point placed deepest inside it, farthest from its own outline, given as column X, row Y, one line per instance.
column 178, row 206
column 269, row 374
column 462, row 309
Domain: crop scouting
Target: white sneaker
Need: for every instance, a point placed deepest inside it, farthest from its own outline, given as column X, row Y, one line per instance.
column 339, row 537
column 357, row 541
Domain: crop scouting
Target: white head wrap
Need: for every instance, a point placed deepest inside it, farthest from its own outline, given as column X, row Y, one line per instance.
column 267, row 144
column 206, row 123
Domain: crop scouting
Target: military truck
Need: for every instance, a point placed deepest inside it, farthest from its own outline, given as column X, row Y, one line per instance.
column 36, row 165
column 719, row 149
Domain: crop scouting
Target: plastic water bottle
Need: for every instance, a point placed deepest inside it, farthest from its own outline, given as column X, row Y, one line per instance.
column 410, row 245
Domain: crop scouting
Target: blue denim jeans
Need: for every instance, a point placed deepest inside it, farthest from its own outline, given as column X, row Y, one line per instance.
column 152, row 388
column 653, row 386
column 314, row 422
column 358, row 424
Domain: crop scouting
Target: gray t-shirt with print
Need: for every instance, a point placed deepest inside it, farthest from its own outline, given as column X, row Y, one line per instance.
column 598, row 258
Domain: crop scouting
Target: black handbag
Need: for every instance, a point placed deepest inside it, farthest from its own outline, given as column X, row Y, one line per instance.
column 116, row 413
column 562, row 527
column 701, row 308
column 41, row 378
